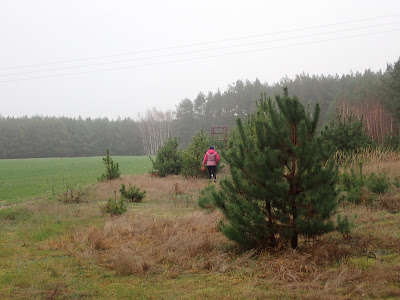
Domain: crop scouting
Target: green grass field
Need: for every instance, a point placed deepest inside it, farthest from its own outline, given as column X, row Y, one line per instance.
column 26, row 179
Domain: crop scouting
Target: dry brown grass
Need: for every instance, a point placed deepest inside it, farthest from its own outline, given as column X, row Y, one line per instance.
column 138, row 242
column 376, row 161
column 367, row 155
column 166, row 236
column 392, row 169
column 390, row 202
column 373, row 160
column 329, row 268
column 157, row 189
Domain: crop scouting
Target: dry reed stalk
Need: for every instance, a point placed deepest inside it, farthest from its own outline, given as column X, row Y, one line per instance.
column 377, row 161
column 366, row 155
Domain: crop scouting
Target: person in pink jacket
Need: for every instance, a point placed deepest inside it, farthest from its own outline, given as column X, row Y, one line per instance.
column 211, row 158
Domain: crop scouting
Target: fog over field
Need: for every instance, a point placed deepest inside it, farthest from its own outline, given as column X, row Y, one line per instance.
column 119, row 58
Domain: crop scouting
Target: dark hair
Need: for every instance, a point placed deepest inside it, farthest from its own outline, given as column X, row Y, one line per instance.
column 211, row 147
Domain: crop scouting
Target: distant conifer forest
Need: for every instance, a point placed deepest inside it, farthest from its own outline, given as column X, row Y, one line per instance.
column 373, row 95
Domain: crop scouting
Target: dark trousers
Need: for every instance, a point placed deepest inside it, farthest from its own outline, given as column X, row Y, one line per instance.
column 212, row 170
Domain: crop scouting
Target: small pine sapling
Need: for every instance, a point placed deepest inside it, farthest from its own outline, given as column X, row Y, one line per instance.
column 168, row 160
column 378, row 183
column 133, row 193
column 346, row 133
column 114, row 207
column 353, row 183
column 112, row 169
column 396, row 183
column 205, row 201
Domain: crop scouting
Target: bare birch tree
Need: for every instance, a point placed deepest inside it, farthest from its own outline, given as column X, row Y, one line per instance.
column 155, row 129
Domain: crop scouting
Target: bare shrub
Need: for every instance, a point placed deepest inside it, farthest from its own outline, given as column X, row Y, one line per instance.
column 72, row 195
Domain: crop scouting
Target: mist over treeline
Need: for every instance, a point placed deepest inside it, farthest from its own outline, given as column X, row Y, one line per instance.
column 37, row 136
column 375, row 95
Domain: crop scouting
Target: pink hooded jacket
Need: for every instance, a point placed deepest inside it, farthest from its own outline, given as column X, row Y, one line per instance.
column 211, row 158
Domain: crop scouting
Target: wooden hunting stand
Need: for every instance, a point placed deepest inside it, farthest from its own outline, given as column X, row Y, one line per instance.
column 220, row 133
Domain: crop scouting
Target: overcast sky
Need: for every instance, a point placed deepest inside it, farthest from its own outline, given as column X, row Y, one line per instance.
column 118, row 58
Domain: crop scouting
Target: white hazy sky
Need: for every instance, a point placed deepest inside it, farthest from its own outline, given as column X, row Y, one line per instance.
column 94, row 58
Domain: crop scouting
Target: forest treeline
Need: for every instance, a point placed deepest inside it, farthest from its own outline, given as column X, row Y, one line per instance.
column 37, row 136
column 375, row 95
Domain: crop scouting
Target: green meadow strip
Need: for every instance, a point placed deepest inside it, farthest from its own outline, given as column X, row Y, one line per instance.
column 29, row 179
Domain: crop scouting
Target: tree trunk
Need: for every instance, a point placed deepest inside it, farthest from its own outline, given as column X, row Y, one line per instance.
column 294, row 240
column 272, row 239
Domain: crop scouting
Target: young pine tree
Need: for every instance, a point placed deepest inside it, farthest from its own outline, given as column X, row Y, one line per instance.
column 193, row 155
column 346, row 133
column 281, row 185
column 169, row 158
column 112, row 169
